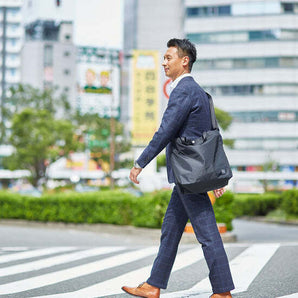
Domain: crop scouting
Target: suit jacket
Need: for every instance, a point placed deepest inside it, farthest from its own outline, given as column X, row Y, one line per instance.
column 187, row 115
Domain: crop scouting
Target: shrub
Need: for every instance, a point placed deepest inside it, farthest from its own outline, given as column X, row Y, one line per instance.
column 256, row 204
column 98, row 207
column 112, row 207
column 223, row 209
column 290, row 202
column 149, row 210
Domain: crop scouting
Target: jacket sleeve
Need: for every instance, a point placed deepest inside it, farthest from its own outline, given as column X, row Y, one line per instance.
column 179, row 107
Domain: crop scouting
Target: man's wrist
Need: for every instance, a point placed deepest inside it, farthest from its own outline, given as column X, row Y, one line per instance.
column 136, row 165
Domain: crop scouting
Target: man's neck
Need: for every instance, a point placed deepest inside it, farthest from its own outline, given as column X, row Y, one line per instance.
column 177, row 80
column 183, row 73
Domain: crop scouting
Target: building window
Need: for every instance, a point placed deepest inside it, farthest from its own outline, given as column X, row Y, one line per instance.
column 48, row 55
column 238, row 63
column 12, row 72
column 13, row 42
column 66, row 89
column 66, row 54
column 66, row 72
column 243, row 36
column 13, row 10
column 263, row 35
column 265, row 89
column 11, row 57
column 264, row 116
column 209, row 11
column 288, row 7
column 271, row 62
column 192, row 11
column 224, row 10
column 255, row 8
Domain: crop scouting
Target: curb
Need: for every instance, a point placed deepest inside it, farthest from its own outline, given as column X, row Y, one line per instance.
column 151, row 235
column 264, row 219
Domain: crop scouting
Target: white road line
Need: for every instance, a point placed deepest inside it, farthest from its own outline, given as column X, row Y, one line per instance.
column 18, row 248
column 295, row 295
column 113, row 286
column 245, row 268
column 33, row 253
column 52, row 261
column 249, row 264
column 74, row 272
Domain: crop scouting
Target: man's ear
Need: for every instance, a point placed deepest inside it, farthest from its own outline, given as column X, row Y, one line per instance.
column 185, row 61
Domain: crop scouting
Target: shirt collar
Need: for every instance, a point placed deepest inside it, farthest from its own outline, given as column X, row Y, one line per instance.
column 175, row 83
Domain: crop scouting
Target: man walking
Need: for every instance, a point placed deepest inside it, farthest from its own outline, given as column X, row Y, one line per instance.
column 187, row 115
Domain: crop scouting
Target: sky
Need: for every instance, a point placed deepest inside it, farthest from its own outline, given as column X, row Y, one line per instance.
column 96, row 22
column 99, row 23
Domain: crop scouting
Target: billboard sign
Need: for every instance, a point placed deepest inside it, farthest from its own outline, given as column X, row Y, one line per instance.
column 98, row 89
column 145, row 87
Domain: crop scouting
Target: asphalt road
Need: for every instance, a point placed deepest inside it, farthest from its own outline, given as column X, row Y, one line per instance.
column 38, row 260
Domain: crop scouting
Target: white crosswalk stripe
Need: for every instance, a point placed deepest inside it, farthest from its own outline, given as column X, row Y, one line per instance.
column 62, row 275
column 244, row 268
column 111, row 286
column 78, row 263
column 34, row 253
column 52, row 261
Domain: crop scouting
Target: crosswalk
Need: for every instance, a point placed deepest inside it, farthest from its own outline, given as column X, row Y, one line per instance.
column 79, row 272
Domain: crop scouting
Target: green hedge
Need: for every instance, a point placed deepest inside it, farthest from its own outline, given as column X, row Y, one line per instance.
column 290, row 202
column 121, row 208
column 256, row 204
column 105, row 207
column 112, row 207
column 223, row 209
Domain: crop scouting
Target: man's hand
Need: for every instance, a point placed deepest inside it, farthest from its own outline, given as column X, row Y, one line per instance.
column 219, row 192
column 134, row 172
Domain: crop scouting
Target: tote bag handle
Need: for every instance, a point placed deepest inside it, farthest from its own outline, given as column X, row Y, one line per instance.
column 212, row 112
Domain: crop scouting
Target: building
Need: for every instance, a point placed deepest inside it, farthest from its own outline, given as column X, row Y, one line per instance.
column 60, row 33
column 58, row 10
column 11, row 34
column 148, row 25
column 54, row 63
column 248, row 61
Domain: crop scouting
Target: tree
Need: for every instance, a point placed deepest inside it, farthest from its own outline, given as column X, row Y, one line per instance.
column 224, row 121
column 38, row 140
column 269, row 166
column 25, row 96
column 96, row 131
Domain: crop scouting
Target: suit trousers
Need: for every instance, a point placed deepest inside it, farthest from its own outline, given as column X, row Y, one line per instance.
column 197, row 208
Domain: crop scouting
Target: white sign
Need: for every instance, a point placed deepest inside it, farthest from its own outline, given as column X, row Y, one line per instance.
column 98, row 89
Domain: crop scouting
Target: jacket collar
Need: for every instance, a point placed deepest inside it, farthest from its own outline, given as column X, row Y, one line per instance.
column 175, row 83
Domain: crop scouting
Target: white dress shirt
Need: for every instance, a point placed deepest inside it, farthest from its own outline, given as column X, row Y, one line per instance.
column 175, row 83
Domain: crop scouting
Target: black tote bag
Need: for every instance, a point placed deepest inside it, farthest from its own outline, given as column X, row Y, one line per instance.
column 201, row 165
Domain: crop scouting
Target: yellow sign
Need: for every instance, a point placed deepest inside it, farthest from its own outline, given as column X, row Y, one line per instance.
column 145, row 86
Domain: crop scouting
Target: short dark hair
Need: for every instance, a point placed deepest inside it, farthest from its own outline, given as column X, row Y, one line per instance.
column 185, row 48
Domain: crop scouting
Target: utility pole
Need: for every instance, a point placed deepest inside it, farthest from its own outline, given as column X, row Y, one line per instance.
column 3, row 85
column 112, row 145
column 112, row 124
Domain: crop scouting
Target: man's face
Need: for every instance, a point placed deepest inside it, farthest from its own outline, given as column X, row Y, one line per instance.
column 90, row 78
column 174, row 66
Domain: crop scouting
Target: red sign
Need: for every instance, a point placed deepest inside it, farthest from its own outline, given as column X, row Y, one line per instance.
column 166, row 88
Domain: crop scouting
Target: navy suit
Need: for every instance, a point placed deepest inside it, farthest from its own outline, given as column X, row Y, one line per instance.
column 187, row 115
